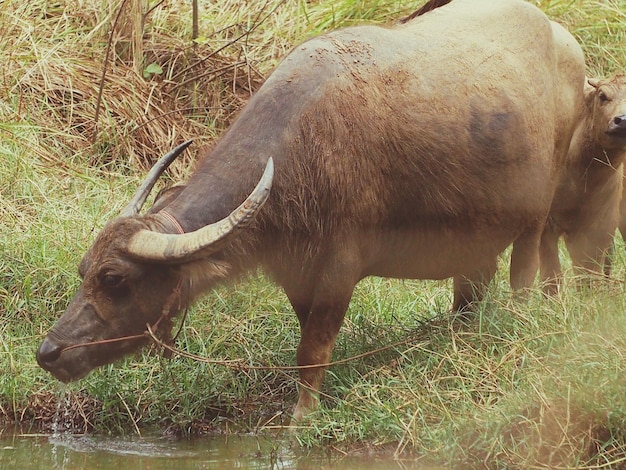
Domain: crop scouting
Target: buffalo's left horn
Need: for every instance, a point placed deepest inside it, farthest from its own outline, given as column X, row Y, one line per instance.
column 138, row 200
column 161, row 247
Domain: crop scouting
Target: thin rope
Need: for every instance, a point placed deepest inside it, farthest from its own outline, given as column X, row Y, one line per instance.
column 176, row 294
column 240, row 364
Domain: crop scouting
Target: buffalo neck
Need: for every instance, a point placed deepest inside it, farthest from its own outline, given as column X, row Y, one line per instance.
column 228, row 173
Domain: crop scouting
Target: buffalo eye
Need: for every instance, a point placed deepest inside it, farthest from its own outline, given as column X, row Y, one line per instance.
column 602, row 96
column 110, row 280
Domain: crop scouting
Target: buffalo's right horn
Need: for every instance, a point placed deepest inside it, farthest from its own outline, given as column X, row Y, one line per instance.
column 170, row 248
column 142, row 193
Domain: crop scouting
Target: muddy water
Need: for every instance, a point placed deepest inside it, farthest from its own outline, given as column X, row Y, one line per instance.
column 72, row 452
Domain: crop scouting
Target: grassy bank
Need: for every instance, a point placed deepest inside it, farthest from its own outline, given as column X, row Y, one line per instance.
column 521, row 384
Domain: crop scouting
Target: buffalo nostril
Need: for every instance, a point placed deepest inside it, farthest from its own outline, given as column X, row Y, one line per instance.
column 48, row 352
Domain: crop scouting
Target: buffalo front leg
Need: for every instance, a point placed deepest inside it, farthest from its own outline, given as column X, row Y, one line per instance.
column 319, row 333
column 591, row 251
column 315, row 350
column 471, row 288
column 608, row 260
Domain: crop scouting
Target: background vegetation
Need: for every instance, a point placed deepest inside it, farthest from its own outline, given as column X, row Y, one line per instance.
column 89, row 100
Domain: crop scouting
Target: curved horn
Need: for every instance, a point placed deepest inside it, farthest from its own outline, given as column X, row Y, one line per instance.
column 167, row 248
column 138, row 200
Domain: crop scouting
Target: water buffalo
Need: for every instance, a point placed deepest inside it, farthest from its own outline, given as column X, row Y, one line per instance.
column 586, row 205
column 420, row 150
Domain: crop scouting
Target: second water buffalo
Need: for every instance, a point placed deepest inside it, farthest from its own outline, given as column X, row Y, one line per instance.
column 586, row 206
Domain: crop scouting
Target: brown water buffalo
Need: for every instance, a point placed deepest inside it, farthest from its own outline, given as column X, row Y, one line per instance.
column 585, row 209
column 417, row 151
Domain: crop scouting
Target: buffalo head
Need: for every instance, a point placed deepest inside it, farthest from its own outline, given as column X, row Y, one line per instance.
column 136, row 276
column 607, row 101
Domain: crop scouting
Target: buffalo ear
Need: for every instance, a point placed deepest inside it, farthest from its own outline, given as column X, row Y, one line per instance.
column 164, row 197
column 589, row 91
column 594, row 82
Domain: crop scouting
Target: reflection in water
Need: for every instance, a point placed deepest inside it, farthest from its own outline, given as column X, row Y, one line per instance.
column 74, row 452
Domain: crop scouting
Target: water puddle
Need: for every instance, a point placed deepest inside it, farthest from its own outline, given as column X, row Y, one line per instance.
column 70, row 452
column 143, row 447
column 64, row 449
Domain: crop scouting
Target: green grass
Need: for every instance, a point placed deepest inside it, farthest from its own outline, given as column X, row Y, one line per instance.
column 518, row 384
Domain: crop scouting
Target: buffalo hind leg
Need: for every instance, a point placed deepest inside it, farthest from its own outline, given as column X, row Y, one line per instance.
column 550, row 271
column 525, row 259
